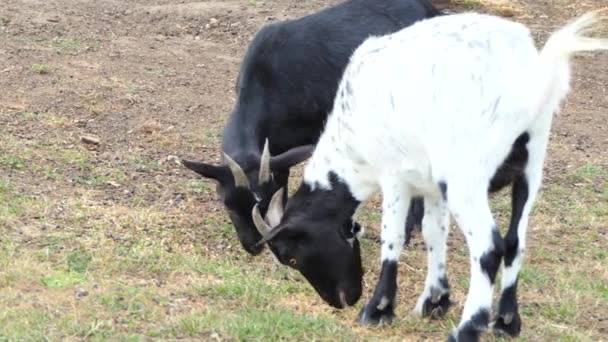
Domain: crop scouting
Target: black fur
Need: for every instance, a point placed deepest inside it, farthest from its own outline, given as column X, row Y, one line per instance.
column 315, row 231
column 519, row 197
column 444, row 190
column 508, row 307
column 513, row 166
column 286, row 87
column 414, row 218
column 472, row 330
column 438, row 308
column 386, row 288
column 490, row 260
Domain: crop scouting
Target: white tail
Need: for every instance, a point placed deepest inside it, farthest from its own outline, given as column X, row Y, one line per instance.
column 571, row 39
column 554, row 77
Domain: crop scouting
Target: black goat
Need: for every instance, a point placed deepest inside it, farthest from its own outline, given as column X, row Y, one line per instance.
column 286, row 88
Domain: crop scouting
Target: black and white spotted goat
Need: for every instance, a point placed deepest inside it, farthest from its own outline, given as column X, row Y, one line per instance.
column 286, row 88
column 440, row 121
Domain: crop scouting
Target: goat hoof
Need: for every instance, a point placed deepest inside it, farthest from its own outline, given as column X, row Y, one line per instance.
column 507, row 325
column 466, row 335
column 371, row 315
column 436, row 308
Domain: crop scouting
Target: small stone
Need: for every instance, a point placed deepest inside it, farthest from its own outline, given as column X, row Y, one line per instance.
column 89, row 139
column 81, row 293
column 174, row 159
column 113, row 183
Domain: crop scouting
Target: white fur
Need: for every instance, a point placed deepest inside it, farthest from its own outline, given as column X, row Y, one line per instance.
column 435, row 228
column 443, row 101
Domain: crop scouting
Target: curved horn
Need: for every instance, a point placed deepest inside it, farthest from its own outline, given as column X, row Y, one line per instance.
column 259, row 222
column 239, row 176
column 275, row 208
column 264, row 175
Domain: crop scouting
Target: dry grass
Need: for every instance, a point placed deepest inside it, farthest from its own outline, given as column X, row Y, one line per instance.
column 79, row 260
column 117, row 242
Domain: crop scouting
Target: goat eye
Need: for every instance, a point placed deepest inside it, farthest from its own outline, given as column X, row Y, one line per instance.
column 293, row 262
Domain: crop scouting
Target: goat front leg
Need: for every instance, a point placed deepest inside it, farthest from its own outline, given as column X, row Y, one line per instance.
column 435, row 299
column 395, row 204
column 472, row 212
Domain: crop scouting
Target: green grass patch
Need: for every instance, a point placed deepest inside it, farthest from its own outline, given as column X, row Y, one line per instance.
column 270, row 324
column 24, row 326
column 533, row 277
column 562, row 312
column 70, row 45
column 78, row 261
column 13, row 162
column 61, row 279
column 75, row 157
column 196, row 185
column 41, row 69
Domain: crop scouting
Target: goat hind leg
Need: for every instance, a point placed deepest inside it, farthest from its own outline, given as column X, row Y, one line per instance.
column 525, row 189
column 470, row 207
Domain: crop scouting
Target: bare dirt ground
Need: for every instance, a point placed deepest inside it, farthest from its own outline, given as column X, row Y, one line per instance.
column 109, row 238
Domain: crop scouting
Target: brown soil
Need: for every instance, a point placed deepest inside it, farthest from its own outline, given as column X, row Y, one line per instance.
column 154, row 79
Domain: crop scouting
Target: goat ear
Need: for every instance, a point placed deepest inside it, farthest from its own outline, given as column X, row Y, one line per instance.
column 291, row 157
column 216, row 172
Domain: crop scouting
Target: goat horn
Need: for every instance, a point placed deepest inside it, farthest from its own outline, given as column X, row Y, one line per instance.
column 239, row 176
column 275, row 208
column 264, row 175
column 259, row 222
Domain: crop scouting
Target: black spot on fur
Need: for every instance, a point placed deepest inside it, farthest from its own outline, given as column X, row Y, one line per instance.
column 349, row 88
column 390, row 246
column 490, row 260
column 443, row 187
column 519, row 197
column 444, row 281
column 513, row 166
